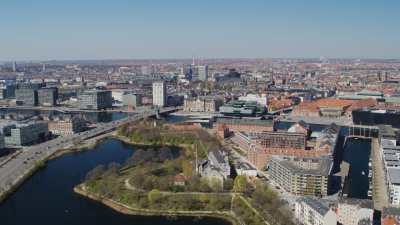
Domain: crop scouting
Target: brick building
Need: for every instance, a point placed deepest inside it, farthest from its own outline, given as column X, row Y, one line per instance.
column 227, row 126
column 291, row 144
column 332, row 108
column 202, row 104
column 390, row 216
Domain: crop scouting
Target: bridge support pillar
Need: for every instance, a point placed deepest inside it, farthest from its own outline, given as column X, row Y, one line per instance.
column 158, row 116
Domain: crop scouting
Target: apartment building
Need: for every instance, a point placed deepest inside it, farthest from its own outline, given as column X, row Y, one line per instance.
column 351, row 211
column 227, row 126
column 67, row 126
column 310, row 211
column 301, row 176
column 202, row 104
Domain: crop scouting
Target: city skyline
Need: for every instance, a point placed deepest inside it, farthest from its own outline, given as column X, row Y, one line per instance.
column 97, row 30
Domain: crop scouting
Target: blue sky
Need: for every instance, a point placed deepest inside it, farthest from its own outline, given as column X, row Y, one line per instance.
column 131, row 29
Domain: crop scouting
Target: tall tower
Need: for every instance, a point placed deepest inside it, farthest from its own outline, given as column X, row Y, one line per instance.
column 14, row 66
column 159, row 94
column 203, row 72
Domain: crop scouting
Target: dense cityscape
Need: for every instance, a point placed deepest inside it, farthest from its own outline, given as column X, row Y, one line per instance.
column 320, row 133
column 186, row 112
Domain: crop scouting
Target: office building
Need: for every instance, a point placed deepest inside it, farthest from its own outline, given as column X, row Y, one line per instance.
column 301, row 176
column 48, row 96
column 7, row 91
column 26, row 96
column 202, row 72
column 95, row 99
column 311, row 211
column 159, row 94
column 131, row 99
column 27, row 133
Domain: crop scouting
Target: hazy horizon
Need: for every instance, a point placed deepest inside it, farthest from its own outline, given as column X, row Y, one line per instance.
column 48, row 30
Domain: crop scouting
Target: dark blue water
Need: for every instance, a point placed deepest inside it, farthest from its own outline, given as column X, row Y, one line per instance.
column 366, row 117
column 47, row 198
column 284, row 125
column 175, row 119
column 357, row 153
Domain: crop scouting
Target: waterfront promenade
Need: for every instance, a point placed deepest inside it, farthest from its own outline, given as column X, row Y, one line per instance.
column 380, row 194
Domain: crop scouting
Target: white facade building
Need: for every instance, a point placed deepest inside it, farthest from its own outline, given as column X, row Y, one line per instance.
column 159, row 94
column 351, row 211
column 260, row 99
column 310, row 211
column 393, row 176
column 391, row 158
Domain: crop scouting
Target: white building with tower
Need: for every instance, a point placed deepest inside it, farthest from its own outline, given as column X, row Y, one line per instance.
column 159, row 94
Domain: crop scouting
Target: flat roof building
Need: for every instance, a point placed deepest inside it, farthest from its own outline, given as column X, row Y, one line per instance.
column 95, row 99
column 27, row 133
column 131, row 99
column 48, row 96
column 352, row 211
column 301, row 176
column 26, row 96
column 310, row 211
column 159, row 94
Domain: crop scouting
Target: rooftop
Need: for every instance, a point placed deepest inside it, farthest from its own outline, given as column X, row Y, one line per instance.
column 394, row 175
column 315, row 204
column 390, row 211
column 387, row 131
column 235, row 121
column 323, row 165
column 362, row 203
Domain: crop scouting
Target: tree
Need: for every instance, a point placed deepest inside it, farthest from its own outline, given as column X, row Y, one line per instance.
column 215, row 184
column 187, row 168
column 204, row 185
column 264, row 196
column 228, row 184
column 154, row 196
column 95, row 173
column 240, row 184
column 113, row 169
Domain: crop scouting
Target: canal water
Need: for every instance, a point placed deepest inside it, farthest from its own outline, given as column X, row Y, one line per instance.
column 47, row 198
column 357, row 153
